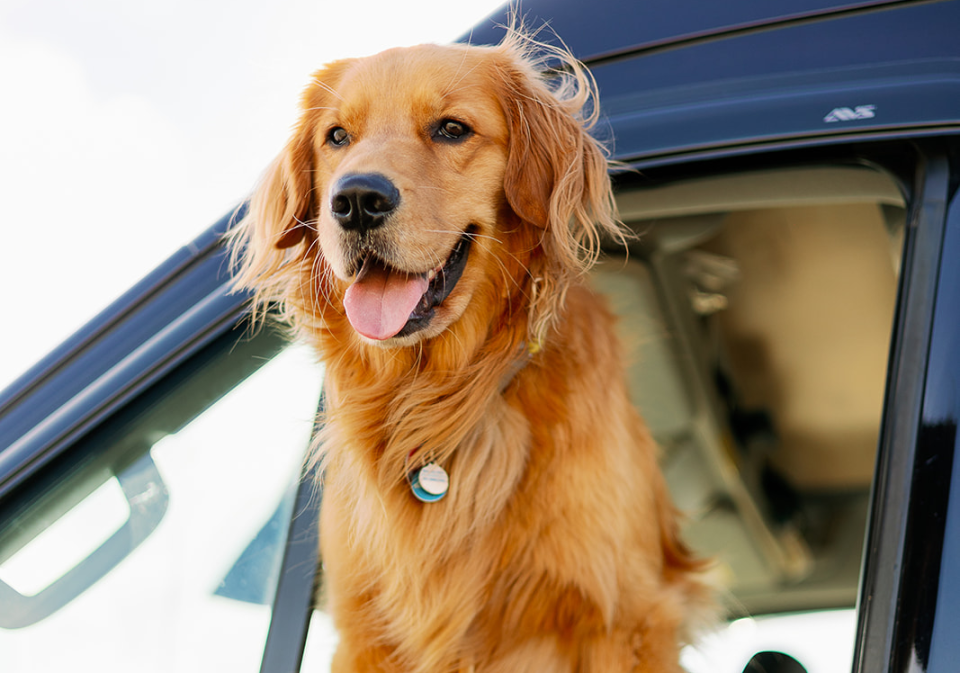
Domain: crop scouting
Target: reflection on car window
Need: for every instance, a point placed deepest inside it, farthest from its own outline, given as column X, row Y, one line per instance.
column 201, row 477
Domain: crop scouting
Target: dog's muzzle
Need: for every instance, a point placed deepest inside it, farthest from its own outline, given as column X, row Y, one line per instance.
column 384, row 302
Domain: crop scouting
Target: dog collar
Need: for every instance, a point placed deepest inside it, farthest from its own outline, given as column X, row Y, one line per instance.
column 430, row 482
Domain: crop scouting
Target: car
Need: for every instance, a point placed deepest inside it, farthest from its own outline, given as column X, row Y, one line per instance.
column 791, row 311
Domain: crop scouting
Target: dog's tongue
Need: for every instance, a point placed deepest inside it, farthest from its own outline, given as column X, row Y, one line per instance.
column 380, row 301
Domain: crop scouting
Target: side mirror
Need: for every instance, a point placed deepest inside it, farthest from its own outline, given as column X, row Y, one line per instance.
column 773, row 662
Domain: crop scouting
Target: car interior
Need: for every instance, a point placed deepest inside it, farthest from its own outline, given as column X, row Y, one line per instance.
column 756, row 310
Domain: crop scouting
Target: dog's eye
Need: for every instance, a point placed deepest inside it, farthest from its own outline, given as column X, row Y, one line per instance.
column 450, row 129
column 338, row 136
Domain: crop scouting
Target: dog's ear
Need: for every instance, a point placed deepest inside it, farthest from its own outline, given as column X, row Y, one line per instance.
column 283, row 208
column 285, row 203
column 556, row 177
column 285, row 198
column 554, row 166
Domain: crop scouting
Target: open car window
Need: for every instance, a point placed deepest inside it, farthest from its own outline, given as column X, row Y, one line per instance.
column 757, row 311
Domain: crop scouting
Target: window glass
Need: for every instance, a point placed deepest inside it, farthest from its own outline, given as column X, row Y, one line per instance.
column 159, row 549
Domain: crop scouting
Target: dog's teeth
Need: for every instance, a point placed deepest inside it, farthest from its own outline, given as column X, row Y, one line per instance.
column 432, row 274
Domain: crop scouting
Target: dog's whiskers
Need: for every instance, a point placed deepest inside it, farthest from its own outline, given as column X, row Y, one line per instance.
column 474, row 235
column 303, row 223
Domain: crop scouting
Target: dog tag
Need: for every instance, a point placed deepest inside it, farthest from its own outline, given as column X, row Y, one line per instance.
column 429, row 483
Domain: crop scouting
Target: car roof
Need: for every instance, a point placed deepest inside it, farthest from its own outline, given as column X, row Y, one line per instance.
column 604, row 27
column 677, row 78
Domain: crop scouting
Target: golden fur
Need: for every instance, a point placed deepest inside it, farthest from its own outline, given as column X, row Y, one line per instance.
column 556, row 548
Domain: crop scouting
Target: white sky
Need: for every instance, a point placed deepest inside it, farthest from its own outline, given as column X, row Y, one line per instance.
column 127, row 127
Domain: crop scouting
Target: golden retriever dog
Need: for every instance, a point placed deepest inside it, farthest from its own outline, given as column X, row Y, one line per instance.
column 491, row 498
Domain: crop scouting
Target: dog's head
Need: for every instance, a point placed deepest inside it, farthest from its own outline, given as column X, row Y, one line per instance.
column 431, row 186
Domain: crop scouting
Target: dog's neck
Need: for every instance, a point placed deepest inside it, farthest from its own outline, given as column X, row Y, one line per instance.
column 425, row 401
column 428, row 480
column 527, row 350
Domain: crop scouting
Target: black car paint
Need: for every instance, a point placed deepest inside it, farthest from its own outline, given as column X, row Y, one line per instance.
column 927, row 616
column 902, row 554
column 686, row 88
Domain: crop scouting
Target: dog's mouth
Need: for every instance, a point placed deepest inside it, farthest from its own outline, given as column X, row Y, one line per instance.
column 384, row 302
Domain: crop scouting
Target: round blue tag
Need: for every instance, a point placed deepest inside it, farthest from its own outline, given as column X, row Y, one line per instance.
column 430, row 483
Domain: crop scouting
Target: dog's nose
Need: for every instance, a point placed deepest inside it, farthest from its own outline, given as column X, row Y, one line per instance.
column 362, row 201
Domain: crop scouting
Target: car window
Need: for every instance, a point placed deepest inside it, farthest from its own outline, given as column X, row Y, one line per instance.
column 757, row 311
column 157, row 546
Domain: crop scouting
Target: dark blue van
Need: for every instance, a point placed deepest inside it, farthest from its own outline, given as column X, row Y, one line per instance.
column 792, row 312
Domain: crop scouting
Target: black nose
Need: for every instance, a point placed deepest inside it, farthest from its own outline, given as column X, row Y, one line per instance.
column 362, row 201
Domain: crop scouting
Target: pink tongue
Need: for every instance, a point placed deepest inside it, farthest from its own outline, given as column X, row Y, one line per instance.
column 380, row 301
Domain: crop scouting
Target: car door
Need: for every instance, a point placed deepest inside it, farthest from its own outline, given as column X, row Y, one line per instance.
column 156, row 539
